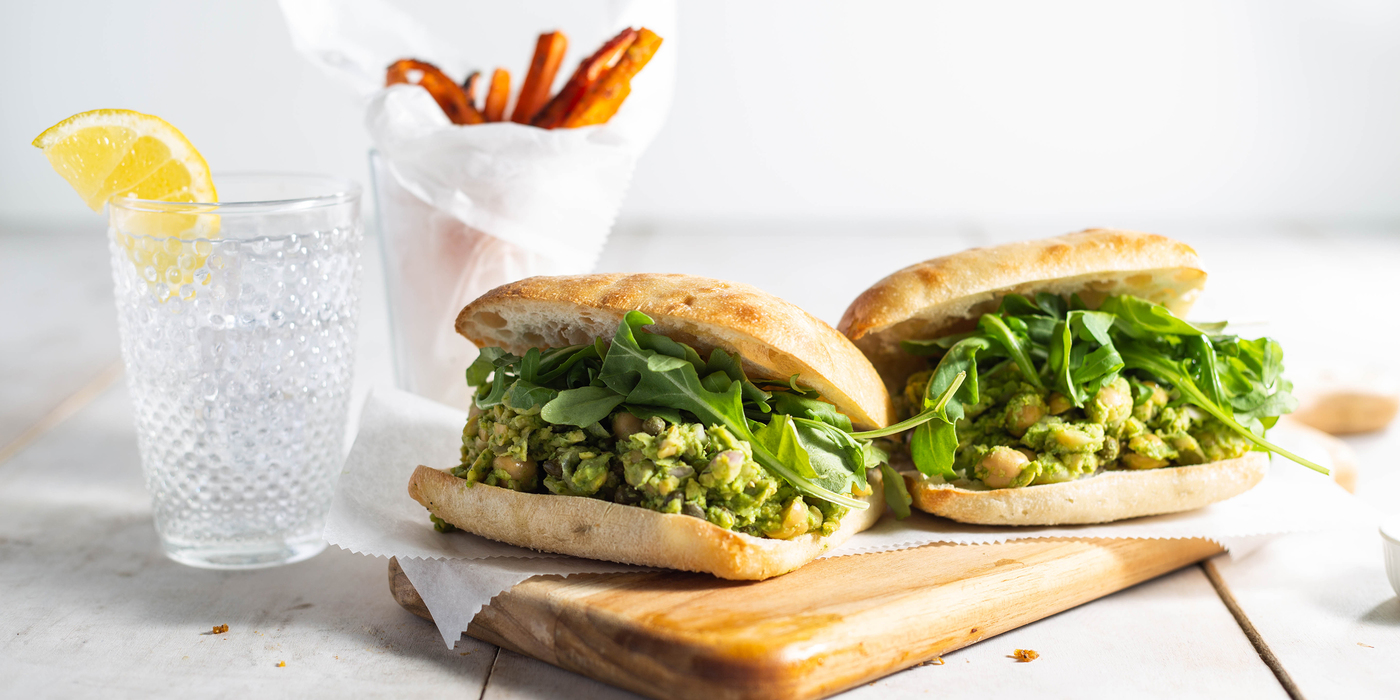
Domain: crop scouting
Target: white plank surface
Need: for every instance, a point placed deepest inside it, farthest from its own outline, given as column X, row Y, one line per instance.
column 1323, row 606
column 60, row 326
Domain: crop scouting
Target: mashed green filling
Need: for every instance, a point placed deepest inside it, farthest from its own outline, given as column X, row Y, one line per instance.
column 655, row 464
column 1018, row 435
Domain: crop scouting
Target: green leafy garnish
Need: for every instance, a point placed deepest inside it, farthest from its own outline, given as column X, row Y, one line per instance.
column 1064, row 346
column 793, row 434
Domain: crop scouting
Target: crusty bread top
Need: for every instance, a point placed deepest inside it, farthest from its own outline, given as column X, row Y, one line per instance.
column 776, row 338
column 944, row 295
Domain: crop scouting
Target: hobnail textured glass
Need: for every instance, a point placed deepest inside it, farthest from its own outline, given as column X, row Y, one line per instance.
column 238, row 334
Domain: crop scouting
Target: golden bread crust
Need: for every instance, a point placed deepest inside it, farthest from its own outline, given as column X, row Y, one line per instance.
column 934, row 297
column 776, row 338
column 597, row 529
column 1101, row 498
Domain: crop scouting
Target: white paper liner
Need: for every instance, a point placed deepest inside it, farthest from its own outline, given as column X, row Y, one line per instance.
column 463, row 209
column 458, row 574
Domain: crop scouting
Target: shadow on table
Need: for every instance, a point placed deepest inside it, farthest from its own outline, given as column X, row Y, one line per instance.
column 1387, row 613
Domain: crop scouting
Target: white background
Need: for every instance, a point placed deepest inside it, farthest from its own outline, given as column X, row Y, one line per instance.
column 1063, row 113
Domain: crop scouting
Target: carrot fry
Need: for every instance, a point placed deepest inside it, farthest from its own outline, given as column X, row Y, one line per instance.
column 497, row 95
column 606, row 95
column 448, row 94
column 549, row 53
column 469, row 86
column 588, row 72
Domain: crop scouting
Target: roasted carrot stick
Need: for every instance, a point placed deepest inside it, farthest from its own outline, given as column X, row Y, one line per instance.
column 592, row 68
column 534, row 92
column 469, row 86
column 497, row 95
column 448, row 94
column 606, row 95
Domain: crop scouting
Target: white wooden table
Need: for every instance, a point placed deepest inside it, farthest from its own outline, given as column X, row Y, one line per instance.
column 89, row 606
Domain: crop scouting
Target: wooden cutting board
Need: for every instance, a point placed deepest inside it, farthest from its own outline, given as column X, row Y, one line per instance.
column 826, row 627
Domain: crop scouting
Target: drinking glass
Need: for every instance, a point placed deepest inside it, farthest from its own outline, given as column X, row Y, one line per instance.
column 237, row 324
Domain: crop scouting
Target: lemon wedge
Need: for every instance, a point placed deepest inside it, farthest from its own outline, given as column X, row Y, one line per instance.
column 109, row 153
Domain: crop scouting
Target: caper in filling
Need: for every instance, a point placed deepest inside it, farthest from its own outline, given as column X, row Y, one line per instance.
column 652, row 463
column 1018, row 435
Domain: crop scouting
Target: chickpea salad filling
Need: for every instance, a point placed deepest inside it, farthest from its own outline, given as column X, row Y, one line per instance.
column 1046, row 390
column 644, row 421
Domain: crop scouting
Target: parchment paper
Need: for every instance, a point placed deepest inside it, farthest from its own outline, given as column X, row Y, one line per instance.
column 458, row 574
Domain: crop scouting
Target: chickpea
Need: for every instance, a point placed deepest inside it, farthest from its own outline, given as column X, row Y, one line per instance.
column 474, row 410
column 1059, row 403
column 794, row 522
column 1112, row 404
column 521, row 472
column 1023, row 412
column 1002, row 465
column 1133, row 460
column 1071, row 437
column 625, row 424
column 473, row 426
column 653, row 425
column 1150, row 445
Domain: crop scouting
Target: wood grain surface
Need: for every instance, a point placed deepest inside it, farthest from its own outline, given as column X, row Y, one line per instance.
column 828, row 626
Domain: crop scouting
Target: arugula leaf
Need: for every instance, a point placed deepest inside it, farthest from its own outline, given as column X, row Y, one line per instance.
column 1018, row 305
column 1061, row 363
column 582, row 407
column 802, row 407
column 665, row 363
column 485, row 363
column 779, row 437
column 721, row 361
column 934, row 444
column 995, row 327
column 896, row 493
column 1205, row 373
column 833, row 449
column 1143, row 315
column 1092, row 325
column 530, row 365
column 1052, row 304
column 1098, row 364
column 1138, row 357
column 559, row 363
column 523, row 395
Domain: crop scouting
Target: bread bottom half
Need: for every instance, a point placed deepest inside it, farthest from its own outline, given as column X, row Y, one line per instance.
column 597, row 529
column 1115, row 495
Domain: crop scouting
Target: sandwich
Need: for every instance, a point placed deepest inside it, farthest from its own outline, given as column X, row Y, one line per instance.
column 663, row 420
column 1060, row 384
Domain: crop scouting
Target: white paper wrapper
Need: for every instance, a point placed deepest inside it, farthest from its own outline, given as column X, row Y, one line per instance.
column 457, row 574
column 463, row 209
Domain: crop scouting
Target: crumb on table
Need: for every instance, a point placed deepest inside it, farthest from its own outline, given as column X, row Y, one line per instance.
column 1025, row 656
column 220, row 629
column 280, row 664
